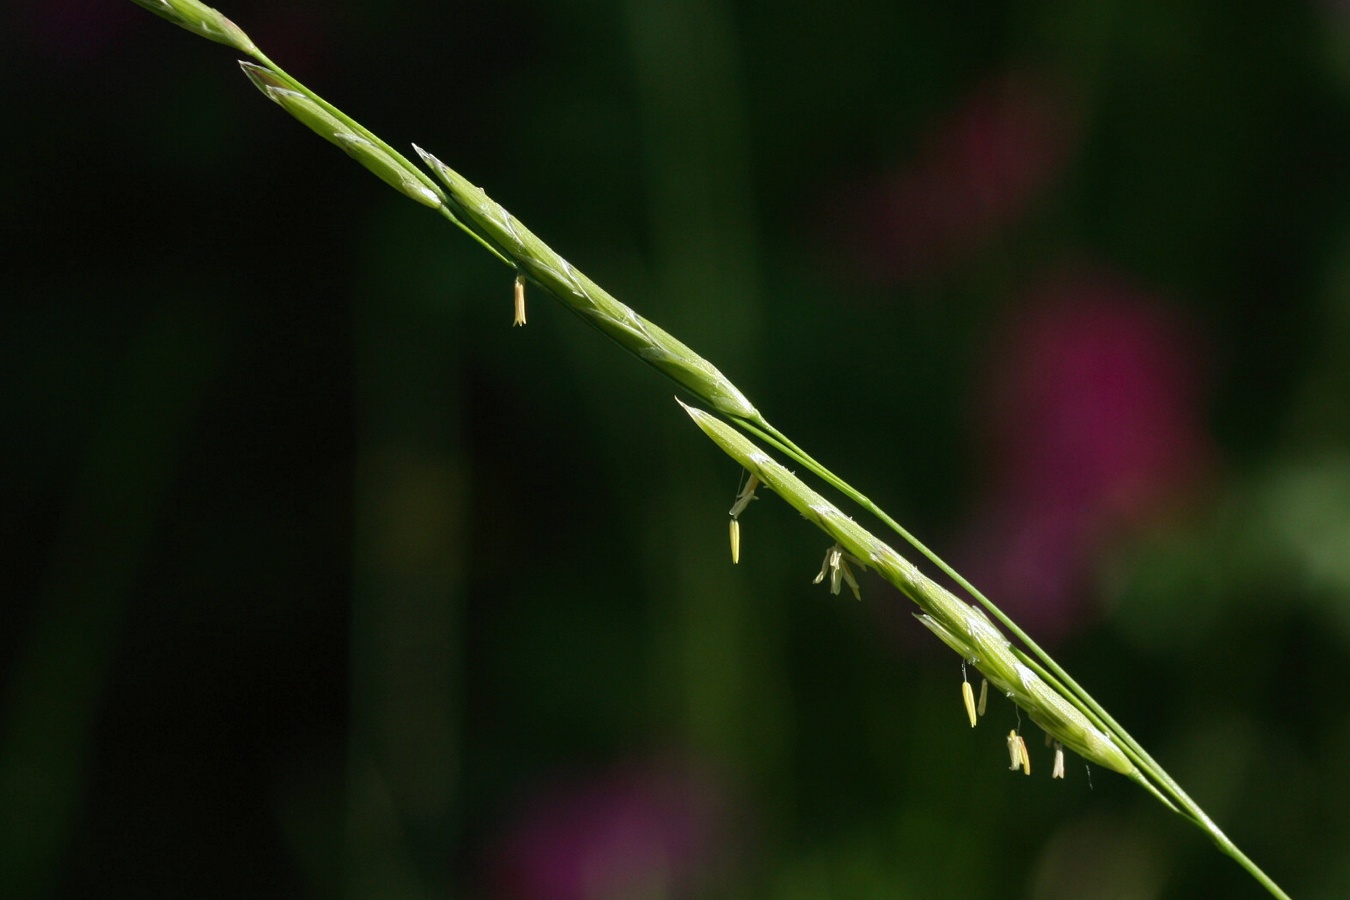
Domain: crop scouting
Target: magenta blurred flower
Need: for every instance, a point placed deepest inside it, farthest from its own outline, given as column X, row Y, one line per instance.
column 642, row 832
column 977, row 172
column 1094, row 423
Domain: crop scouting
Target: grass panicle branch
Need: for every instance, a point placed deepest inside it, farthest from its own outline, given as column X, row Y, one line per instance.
column 1030, row 676
column 556, row 276
column 964, row 628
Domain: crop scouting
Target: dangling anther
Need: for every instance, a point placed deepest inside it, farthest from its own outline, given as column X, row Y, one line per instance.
column 984, row 695
column 831, row 567
column 1017, row 753
column 520, row 301
column 836, row 564
column 968, row 696
column 1059, row 761
column 743, row 498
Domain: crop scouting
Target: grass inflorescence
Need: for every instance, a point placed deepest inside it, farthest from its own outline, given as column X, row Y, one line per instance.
column 1026, row 674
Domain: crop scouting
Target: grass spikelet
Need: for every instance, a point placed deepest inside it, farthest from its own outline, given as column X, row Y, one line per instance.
column 391, row 168
column 961, row 626
column 201, row 20
column 512, row 240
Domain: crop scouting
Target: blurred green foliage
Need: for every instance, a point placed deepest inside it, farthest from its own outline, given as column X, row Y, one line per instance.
column 322, row 580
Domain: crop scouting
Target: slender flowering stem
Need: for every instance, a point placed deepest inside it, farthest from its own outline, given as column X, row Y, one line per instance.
column 1028, row 674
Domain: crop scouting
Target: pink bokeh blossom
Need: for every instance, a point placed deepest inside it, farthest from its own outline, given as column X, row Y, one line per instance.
column 977, row 171
column 640, row 831
column 1093, row 422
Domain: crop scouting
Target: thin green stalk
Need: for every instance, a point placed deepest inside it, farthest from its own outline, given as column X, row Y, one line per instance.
column 1034, row 681
column 1158, row 782
column 1144, row 769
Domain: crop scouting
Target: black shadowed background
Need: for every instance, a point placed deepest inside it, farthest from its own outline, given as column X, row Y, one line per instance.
column 322, row 580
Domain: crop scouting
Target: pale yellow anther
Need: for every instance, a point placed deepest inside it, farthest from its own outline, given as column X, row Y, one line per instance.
column 836, row 565
column 1059, row 761
column 968, row 696
column 849, row 580
column 743, row 498
column 830, row 567
column 520, row 301
column 1017, row 753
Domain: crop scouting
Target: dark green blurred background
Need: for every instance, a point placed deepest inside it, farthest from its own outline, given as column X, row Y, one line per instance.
column 321, row 580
